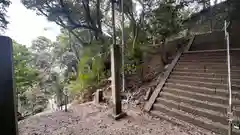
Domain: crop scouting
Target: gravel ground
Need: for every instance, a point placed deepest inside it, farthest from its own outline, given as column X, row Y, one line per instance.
column 90, row 119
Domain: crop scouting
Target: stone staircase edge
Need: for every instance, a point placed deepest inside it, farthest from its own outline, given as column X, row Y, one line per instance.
column 149, row 104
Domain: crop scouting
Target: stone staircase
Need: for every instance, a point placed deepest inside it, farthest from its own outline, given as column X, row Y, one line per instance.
column 196, row 90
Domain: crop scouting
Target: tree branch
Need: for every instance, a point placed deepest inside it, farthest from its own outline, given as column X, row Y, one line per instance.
column 75, row 25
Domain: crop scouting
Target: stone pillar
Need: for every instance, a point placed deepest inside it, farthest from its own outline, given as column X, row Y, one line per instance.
column 115, row 71
column 66, row 103
column 98, row 96
column 8, row 106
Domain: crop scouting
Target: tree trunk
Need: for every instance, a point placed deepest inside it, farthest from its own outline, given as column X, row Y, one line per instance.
column 135, row 37
column 98, row 16
column 90, row 19
column 73, row 48
column 211, row 20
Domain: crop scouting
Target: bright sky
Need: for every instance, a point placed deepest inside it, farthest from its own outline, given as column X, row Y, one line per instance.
column 25, row 25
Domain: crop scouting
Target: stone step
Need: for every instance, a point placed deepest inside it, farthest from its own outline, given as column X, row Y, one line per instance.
column 209, row 60
column 204, row 67
column 196, row 111
column 215, row 56
column 197, row 121
column 233, row 64
column 207, row 57
column 206, row 75
column 175, row 121
column 203, row 90
column 201, row 70
column 199, row 103
column 206, row 53
column 204, row 84
column 199, row 96
column 202, row 79
column 221, row 53
column 208, row 65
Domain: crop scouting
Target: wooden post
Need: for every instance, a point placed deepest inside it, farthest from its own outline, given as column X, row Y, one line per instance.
column 66, row 103
column 66, row 94
column 123, row 47
column 8, row 111
column 115, row 71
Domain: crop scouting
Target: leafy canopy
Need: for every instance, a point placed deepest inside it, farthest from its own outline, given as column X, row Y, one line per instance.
column 25, row 73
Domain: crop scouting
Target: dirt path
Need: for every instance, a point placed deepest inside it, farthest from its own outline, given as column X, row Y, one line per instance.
column 89, row 119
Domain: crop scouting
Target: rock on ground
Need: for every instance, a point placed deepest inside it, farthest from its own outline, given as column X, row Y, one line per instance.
column 90, row 119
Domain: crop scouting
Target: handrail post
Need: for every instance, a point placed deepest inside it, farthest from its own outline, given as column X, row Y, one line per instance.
column 123, row 47
column 230, row 113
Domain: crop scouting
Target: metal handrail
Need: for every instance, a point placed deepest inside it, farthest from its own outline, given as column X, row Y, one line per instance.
column 230, row 112
column 225, row 26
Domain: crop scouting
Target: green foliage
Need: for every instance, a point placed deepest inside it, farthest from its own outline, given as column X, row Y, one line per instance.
column 26, row 76
column 130, row 69
column 166, row 19
column 84, row 76
column 90, row 71
column 25, row 73
column 33, row 100
column 134, row 59
column 42, row 44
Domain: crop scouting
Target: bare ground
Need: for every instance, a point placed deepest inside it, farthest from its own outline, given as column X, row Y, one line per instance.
column 91, row 119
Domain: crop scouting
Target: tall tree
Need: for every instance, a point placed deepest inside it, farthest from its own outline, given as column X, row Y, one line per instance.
column 72, row 15
column 166, row 20
column 42, row 44
column 25, row 73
